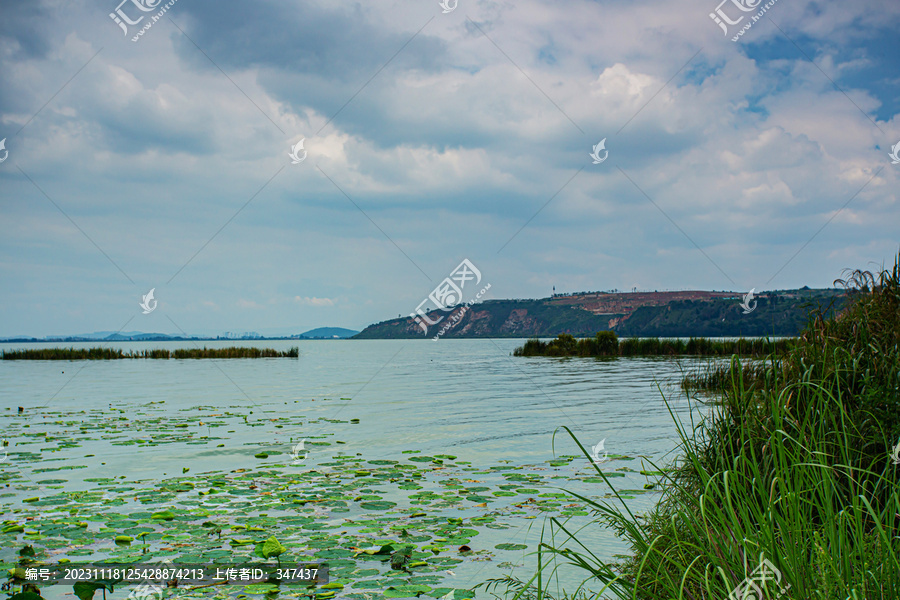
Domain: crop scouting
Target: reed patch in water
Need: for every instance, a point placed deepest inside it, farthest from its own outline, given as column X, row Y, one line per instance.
column 117, row 353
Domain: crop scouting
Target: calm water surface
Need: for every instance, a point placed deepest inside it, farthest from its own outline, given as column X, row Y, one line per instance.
column 467, row 398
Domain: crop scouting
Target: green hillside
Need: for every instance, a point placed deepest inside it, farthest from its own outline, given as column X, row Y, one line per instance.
column 778, row 315
column 782, row 313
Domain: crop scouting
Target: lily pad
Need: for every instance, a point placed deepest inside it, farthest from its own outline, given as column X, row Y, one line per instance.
column 379, row 505
column 85, row 589
column 26, row 596
column 510, row 546
column 260, row 588
column 271, row 547
column 406, row 591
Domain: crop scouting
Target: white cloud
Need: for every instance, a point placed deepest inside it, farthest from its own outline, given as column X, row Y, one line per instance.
column 249, row 304
column 314, row 301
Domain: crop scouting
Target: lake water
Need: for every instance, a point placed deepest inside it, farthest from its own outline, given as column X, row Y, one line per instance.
column 442, row 426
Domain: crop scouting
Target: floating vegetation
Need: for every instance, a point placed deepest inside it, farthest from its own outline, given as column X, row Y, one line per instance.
column 606, row 343
column 117, row 353
column 393, row 527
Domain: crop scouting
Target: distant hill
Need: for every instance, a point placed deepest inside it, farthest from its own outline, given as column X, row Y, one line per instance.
column 639, row 314
column 102, row 336
column 328, row 333
column 137, row 336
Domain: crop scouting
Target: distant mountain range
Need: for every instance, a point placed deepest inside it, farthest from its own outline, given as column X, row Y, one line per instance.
column 629, row 314
column 633, row 314
column 321, row 333
column 328, row 333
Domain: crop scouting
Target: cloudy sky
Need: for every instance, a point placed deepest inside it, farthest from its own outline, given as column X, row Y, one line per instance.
column 431, row 137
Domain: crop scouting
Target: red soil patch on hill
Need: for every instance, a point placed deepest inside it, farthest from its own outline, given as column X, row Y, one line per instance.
column 626, row 303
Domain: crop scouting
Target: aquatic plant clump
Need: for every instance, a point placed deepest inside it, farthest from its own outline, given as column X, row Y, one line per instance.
column 117, row 353
column 606, row 343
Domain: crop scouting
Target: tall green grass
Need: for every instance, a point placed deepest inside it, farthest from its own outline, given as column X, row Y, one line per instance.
column 791, row 464
column 720, row 376
column 116, row 353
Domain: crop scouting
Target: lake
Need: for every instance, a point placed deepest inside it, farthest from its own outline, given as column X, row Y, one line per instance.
column 454, row 446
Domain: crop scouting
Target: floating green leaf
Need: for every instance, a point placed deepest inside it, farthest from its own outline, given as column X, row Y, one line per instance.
column 235, row 542
column 260, row 588
column 85, row 589
column 269, row 548
column 379, row 505
column 26, row 596
column 406, row 591
column 510, row 546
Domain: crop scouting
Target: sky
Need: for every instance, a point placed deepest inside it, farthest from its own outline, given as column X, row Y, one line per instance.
column 431, row 134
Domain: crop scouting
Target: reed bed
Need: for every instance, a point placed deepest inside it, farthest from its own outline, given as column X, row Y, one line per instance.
column 606, row 343
column 117, row 353
column 719, row 376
